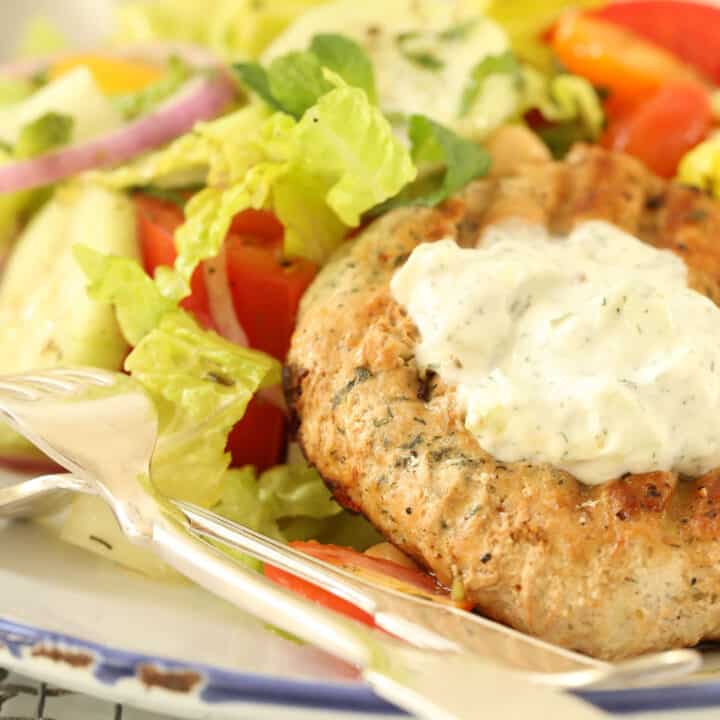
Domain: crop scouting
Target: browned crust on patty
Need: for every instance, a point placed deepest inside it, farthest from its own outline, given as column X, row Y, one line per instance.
column 612, row 571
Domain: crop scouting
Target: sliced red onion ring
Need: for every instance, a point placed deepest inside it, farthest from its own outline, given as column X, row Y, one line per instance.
column 202, row 98
column 222, row 307
column 274, row 396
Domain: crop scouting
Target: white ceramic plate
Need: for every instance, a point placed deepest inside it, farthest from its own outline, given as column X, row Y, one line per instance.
column 80, row 622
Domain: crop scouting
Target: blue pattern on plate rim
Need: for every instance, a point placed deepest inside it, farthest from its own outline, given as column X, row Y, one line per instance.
column 213, row 685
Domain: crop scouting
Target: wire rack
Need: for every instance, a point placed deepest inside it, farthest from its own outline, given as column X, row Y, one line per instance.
column 23, row 699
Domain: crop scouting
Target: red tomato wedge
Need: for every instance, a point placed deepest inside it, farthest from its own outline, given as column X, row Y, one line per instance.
column 259, row 438
column 614, row 58
column 157, row 221
column 689, row 30
column 665, row 127
column 377, row 570
column 266, row 291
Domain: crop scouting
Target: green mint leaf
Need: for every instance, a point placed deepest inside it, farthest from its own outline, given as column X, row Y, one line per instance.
column 254, row 76
column 346, row 58
column 463, row 159
column 297, row 82
column 446, row 162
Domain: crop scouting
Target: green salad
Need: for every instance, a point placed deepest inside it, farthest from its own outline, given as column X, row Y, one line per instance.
column 166, row 198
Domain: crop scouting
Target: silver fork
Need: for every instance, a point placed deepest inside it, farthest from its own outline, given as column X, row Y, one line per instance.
column 102, row 427
column 423, row 623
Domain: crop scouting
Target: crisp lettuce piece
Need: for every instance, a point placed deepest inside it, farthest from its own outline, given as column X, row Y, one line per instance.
column 208, row 218
column 295, row 81
column 121, row 282
column 700, row 167
column 200, row 382
column 296, row 491
column 348, row 141
column 502, row 89
column 563, row 98
column 232, row 28
column 319, row 175
column 201, row 385
column 216, row 153
column 291, row 502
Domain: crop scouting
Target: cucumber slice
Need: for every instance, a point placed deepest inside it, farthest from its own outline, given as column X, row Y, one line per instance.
column 46, row 317
column 91, row 525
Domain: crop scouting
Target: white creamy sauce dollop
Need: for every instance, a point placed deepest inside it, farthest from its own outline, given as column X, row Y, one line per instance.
column 588, row 352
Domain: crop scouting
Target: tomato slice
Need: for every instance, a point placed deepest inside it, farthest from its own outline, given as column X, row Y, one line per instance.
column 689, row 30
column 614, row 58
column 266, row 290
column 382, row 572
column 266, row 293
column 665, row 127
column 259, row 438
column 157, row 221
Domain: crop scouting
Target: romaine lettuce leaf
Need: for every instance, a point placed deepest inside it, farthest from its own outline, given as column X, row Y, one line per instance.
column 291, row 502
column 215, row 153
column 563, row 98
column 232, row 28
column 319, row 175
column 200, row 382
column 201, row 385
column 349, row 142
column 119, row 281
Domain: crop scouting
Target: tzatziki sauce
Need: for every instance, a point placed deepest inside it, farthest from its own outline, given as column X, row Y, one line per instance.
column 587, row 352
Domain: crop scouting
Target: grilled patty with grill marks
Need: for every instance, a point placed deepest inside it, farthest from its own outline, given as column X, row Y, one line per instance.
column 612, row 570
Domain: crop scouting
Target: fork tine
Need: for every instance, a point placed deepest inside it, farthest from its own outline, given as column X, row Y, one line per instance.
column 91, row 376
column 42, row 382
column 22, row 393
